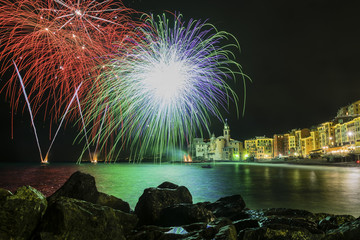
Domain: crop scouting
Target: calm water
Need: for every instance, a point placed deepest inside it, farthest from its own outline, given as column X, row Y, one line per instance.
column 317, row 189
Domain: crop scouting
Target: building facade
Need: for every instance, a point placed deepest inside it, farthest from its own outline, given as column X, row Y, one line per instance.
column 218, row 148
column 260, row 147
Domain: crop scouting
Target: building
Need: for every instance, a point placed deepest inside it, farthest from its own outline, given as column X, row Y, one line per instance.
column 250, row 147
column 326, row 135
column 260, row 147
column 292, row 145
column 352, row 109
column 347, row 133
column 298, row 142
column 218, row 148
column 310, row 144
column 279, row 145
column 342, row 134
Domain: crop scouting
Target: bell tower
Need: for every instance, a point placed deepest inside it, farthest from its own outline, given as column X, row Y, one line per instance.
column 226, row 132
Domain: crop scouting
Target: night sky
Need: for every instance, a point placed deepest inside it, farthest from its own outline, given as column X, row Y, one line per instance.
column 302, row 56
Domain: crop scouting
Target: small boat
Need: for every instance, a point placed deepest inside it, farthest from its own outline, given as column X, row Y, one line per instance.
column 206, row 166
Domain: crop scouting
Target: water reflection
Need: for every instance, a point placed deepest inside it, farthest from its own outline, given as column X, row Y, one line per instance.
column 317, row 189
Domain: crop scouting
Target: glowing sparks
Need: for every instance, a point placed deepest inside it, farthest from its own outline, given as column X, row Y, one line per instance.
column 166, row 82
column 47, row 40
column 166, row 88
column 147, row 86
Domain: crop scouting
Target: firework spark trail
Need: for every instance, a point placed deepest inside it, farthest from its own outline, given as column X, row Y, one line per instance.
column 167, row 86
column 62, row 120
column 59, row 44
column 99, row 134
column 30, row 112
column 84, row 129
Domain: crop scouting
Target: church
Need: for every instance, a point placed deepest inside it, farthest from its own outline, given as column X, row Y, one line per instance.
column 221, row 148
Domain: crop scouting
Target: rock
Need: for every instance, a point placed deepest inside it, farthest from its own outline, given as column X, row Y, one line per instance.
column 20, row 213
column 282, row 223
column 171, row 236
column 148, row 232
column 327, row 224
column 280, row 232
column 245, row 223
column 148, row 235
column 290, row 213
column 334, row 221
column 4, row 194
column 182, row 214
column 68, row 218
column 82, row 186
column 274, row 222
column 226, row 233
column 321, row 216
column 220, row 222
column 195, row 226
column 231, row 207
column 334, row 236
column 193, row 236
column 209, row 232
column 254, row 214
column 341, row 219
column 168, row 185
column 153, row 200
column 113, row 202
column 347, row 231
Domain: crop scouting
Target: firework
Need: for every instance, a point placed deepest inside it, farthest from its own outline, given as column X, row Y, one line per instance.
column 58, row 44
column 168, row 87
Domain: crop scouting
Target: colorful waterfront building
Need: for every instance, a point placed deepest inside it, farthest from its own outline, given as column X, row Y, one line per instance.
column 260, row 147
column 284, row 145
column 218, row 148
column 326, row 135
column 264, row 147
column 347, row 133
column 352, row 109
column 292, row 144
column 310, row 144
column 300, row 134
column 250, row 147
column 279, row 145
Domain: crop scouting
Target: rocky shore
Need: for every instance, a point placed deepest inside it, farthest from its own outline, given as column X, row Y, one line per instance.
column 79, row 211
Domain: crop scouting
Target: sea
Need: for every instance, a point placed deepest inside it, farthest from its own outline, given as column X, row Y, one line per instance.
column 317, row 189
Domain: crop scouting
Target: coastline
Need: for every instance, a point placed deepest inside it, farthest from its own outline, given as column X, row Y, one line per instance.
column 311, row 162
column 77, row 210
column 298, row 161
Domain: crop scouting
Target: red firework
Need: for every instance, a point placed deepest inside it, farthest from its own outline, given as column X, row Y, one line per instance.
column 57, row 45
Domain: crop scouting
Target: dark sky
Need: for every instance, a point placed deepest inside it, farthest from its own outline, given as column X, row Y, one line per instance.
column 302, row 56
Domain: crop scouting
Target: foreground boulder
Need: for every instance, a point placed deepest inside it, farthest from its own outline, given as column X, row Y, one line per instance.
column 4, row 194
column 334, row 221
column 68, row 218
column 20, row 213
column 278, row 232
column 82, row 186
column 231, row 207
column 290, row 213
column 183, row 214
column 154, row 200
column 347, row 231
